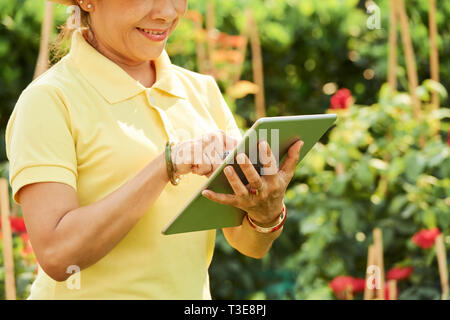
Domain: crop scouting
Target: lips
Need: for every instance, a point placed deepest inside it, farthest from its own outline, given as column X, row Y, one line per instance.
column 154, row 34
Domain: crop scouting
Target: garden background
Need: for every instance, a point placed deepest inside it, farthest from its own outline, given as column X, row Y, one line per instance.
column 382, row 165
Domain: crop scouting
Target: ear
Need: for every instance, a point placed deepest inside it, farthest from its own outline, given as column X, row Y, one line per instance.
column 87, row 5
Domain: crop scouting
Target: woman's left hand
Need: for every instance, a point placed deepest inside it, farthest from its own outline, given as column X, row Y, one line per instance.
column 262, row 198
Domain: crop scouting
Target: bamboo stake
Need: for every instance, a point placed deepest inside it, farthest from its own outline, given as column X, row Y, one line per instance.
column 42, row 63
column 202, row 60
column 258, row 74
column 240, row 67
column 378, row 243
column 368, row 291
column 392, row 286
column 348, row 293
column 434, row 54
column 410, row 58
column 392, row 71
column 210, row 29
column 8, row 258
column 442, row 262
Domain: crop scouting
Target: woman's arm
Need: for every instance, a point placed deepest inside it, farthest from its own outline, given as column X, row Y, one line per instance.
column 64, row 234
column 248, row 241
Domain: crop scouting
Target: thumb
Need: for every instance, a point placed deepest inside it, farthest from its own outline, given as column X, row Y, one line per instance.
column 289, row 164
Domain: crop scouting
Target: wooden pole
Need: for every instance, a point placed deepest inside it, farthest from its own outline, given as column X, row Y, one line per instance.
column 392, row 64
column 392, row 286
column 442, row 263
column 258, row 73
column 378, row 244
column 348, row 293
column 434, row 53
column 202, row 57
column 368, row 291
column 410, row 58
column 42, row 63
column 8, row 258
column 210, row 30
column 240, row 67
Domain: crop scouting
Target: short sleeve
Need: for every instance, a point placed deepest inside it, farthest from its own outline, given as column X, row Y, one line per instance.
column 39, row 142
column 220, row 110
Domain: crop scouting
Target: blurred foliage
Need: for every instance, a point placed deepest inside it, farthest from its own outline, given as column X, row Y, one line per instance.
column 385, row 179
column 307, row 44
column 388, row 180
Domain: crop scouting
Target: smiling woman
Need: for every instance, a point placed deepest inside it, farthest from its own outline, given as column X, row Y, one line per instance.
column 94, row 144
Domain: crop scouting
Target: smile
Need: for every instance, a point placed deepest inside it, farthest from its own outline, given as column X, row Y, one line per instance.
column 154, row 35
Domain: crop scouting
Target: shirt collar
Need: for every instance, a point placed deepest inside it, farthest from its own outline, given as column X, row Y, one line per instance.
column 114, row 83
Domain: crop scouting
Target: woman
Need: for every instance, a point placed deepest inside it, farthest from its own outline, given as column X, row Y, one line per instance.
column 87, row 144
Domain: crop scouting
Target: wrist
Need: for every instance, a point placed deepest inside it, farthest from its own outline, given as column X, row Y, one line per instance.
column 271, row 226
column 267, row 219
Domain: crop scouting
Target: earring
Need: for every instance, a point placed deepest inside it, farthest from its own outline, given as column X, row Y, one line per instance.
column 89, row 5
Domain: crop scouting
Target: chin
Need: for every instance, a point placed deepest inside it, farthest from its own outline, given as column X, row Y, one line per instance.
column 149, row 53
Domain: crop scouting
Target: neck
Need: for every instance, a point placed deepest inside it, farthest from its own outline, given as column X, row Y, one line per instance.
column 144, row 72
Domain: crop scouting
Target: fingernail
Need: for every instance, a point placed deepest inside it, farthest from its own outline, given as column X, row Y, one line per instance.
column 240, row 158
column 227, row 170
column 205, row 193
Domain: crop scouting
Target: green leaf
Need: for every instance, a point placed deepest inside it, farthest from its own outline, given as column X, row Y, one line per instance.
column 414, row 165
column 348, row 220
column 434, row 86
column 429, row 219
column 397, row 204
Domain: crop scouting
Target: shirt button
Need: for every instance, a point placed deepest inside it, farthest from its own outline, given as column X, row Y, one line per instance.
column 152, row 100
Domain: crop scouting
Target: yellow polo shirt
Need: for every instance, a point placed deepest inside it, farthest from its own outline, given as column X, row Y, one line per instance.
column 88, row 124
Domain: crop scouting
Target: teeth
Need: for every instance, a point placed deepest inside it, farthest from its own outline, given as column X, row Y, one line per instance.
column 151, row 32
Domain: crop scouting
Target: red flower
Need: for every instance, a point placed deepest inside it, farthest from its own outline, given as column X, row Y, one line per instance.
column 359, row 284
column 342, row 99
column 341, row 284
column 399, row 273
column 24, row 237
column 18, row 225
column 425, row 238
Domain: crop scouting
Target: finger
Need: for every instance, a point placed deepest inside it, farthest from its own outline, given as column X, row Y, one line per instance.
column 267, row 159
column 203, row 167
column 287, row 168
column 230, row 143
column 222, row 198
column 249, row 171
column 236, row 184
column 215, row 146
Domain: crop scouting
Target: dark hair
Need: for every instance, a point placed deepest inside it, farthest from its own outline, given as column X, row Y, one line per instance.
column 58, row 48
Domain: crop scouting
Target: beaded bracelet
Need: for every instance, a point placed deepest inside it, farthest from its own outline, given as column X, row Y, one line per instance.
column 281, row 220
column 169, row 164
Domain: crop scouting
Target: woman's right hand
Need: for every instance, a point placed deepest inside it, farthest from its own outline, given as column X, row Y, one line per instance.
column 203, row 155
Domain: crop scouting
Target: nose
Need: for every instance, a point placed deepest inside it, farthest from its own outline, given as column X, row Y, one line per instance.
column 164, row 10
